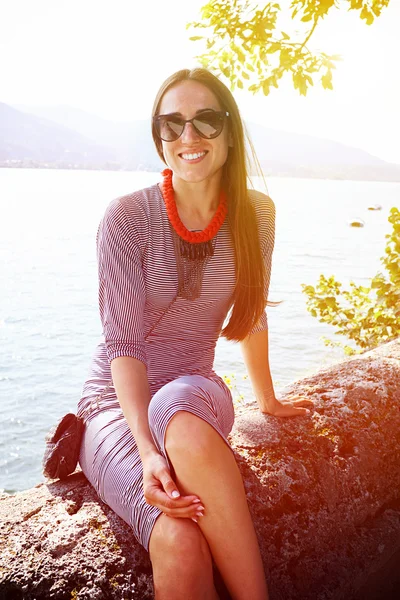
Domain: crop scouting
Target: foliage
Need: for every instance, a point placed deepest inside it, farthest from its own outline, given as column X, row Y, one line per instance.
column 237, row 395
column 367, row 315
column 243, row 42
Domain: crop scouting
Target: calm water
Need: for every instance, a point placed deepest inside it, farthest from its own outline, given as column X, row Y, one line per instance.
column 49, row 322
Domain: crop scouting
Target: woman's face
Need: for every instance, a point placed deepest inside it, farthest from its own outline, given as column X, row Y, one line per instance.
column 186, row 98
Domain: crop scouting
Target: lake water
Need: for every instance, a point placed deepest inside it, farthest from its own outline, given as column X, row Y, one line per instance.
column 49, row 321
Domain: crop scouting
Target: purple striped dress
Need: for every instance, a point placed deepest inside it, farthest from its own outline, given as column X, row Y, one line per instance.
column 137, row 281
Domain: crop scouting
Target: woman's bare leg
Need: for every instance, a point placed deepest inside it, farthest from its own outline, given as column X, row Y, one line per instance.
column 205, row 466
column 181, row 561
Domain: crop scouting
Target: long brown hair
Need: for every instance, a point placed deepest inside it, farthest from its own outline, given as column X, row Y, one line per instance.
column 248, row 296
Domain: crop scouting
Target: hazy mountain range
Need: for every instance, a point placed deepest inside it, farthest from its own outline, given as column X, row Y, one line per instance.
column 65, row 137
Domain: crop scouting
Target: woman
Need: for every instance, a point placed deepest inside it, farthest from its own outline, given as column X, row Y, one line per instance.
column 173, row 259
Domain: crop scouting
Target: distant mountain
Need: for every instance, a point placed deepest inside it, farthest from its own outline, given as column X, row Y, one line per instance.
column 130, row 143
column 26, row 137
column 62, row 136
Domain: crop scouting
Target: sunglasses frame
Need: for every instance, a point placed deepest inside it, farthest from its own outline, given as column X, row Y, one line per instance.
column 221, row 113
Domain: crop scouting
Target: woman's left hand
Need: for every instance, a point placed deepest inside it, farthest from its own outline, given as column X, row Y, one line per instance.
column 296, row 406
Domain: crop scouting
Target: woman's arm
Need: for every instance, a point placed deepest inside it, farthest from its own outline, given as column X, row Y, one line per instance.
column 255, row 353
column 122, row 297
column 133, row 393
column 255, row 345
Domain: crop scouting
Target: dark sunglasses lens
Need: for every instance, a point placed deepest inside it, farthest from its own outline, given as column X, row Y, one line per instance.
column 169, row 128
column 208, row 124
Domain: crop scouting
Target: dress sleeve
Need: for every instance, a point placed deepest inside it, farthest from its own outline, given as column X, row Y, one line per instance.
column 265, row 212
column 121, row 284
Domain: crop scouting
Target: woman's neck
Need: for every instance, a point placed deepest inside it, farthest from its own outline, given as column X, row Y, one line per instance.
column 197, row 201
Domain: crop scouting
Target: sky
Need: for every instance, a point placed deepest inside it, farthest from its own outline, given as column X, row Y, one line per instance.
column 110, row 57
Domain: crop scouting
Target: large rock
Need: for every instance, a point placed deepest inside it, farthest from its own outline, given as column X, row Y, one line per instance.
column 323, row 492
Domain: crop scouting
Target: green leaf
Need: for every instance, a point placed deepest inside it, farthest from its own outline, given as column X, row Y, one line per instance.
column 194, row 38
column 274, row 47
column 327, row 82
column 226, row 71
column 300, row 83
column 331, row 301
column 367, row 15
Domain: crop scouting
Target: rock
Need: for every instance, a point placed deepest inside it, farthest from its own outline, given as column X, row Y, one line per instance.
column 323, row 491
column 60, row 541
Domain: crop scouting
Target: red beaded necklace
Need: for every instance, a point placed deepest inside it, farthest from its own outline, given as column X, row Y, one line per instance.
column 193, row 237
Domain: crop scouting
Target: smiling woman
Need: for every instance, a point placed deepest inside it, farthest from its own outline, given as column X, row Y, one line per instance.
column 221, row 165
column 173, row 260
column 206, row 137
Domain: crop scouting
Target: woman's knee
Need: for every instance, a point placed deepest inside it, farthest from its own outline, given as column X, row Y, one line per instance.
column 177, row 427
column 189, row 433
column 175, row 391
column 177, row 540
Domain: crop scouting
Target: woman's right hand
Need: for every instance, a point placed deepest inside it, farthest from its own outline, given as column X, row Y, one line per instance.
column 158, row 487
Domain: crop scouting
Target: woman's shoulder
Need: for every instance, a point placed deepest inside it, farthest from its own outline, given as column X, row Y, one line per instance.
column 135, row 206
column 259, row 199
column 263, row 204
column 128, row 216
column 134, row 212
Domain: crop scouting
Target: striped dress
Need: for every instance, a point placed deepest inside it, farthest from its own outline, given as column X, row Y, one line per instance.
column 137, row 281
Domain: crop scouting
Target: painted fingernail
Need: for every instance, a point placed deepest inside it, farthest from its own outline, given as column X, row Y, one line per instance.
column 200, row 507
column 199, row 514
column 197, row 500
column 193, row 519
column 175, row 494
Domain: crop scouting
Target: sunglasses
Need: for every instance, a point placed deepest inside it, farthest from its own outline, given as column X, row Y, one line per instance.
column 208, row 124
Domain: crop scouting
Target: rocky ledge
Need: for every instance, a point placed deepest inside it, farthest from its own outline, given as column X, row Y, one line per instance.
column 323, row 491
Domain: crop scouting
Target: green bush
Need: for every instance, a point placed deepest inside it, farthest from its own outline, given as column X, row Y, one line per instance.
column 368, row 316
